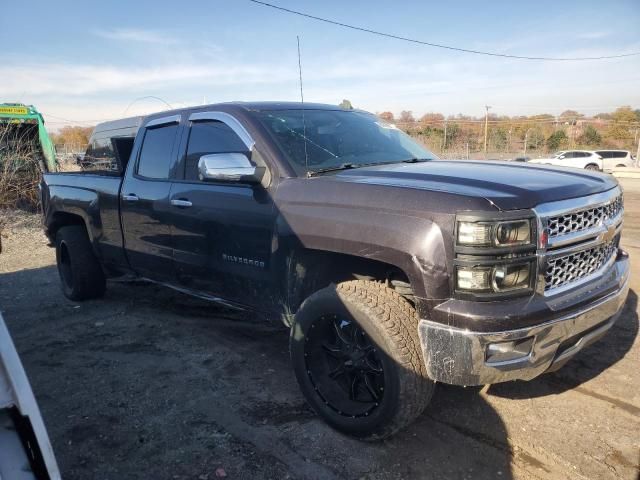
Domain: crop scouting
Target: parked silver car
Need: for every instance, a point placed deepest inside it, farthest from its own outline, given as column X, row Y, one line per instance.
column 573, row 158
column 615, row 159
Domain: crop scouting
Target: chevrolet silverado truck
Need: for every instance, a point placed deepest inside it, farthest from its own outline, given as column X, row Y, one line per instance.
column 393, row 270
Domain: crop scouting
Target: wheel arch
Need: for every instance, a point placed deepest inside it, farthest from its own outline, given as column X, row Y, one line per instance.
column 309, row 270
column 60, row 219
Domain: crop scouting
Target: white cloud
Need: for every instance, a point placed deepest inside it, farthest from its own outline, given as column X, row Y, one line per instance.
column 137, row 35
column 593, row 35
column 79, row 79
column 86, row 92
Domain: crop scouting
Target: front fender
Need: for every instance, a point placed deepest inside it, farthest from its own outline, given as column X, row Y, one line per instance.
column 419, row 247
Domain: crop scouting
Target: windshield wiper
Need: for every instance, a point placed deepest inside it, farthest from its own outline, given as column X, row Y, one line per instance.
column 342, row 166
column 348, row 166
column 416, row 160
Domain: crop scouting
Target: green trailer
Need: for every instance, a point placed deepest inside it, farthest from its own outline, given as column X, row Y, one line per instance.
column 22, row 131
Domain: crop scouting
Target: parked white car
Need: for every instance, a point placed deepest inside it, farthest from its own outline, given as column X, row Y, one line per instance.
column 616, row 159
column 573, row 158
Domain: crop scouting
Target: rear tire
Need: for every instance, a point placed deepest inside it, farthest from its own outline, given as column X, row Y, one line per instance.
column 80, row 273
column 357, row 358
column 593, row 167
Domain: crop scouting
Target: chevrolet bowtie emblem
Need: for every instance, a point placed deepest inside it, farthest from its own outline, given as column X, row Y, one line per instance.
column 609, row 234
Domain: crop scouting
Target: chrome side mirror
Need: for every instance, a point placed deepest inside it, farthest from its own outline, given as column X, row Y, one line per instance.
column 228, row 167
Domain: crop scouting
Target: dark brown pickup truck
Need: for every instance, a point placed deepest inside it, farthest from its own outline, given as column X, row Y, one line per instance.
column 394, row 270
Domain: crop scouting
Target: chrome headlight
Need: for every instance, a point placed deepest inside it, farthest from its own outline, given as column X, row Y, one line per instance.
column 495, row 254
column 494, row 234
column 494, row 279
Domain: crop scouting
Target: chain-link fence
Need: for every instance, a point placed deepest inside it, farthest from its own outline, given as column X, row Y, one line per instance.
column 508, row 139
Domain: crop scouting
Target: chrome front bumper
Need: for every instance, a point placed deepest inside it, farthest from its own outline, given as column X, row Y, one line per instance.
column 462, row 357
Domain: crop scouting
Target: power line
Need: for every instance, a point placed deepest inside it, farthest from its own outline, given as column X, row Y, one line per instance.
column 437, row 45
column 146, row 97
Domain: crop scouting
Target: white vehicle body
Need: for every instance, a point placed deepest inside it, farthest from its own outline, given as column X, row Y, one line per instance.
column 615, row 159
column 25, row 450
column 573, row 158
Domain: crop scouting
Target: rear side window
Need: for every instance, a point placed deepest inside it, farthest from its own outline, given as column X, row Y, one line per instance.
column 570, row 155
column 122, row 147
column 100, row 155
column 210, row 137
column 604, row 154
column 156, row 152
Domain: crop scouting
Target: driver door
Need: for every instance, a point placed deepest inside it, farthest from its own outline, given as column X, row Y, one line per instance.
column 221, row 229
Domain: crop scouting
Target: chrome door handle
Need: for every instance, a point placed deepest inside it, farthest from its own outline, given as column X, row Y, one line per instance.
column 178, row 202
column 132, row 197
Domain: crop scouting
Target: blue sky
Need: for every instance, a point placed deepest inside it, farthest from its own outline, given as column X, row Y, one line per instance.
column 88, row 63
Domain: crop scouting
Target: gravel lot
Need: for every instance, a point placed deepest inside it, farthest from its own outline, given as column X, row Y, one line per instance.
column 148, row 383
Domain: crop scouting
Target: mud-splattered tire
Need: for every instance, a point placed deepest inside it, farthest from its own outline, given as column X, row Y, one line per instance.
column 80, row 273
column 383, row 331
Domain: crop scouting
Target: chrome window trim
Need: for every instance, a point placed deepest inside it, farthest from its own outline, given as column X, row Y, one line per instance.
column 163, row 121
column 228, row 120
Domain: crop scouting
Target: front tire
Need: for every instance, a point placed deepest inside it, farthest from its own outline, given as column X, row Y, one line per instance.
column 80, row 273
column 357, row 358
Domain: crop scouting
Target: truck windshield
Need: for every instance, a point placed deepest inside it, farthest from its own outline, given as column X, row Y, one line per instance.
column 333, row 139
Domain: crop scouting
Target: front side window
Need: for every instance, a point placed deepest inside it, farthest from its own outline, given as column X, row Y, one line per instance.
column 318, row 139
column 210, row 137
column 156, row 153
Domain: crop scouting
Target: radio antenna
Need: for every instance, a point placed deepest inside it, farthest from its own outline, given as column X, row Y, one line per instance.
column 304, row 123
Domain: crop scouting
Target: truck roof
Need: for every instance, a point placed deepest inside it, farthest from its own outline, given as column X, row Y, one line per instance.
column 122, row 123
column 130, row 125
column 250, row 106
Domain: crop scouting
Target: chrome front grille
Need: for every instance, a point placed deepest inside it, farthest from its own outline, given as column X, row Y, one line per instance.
column 574, row 266
column 581, row 241
column 580, row 220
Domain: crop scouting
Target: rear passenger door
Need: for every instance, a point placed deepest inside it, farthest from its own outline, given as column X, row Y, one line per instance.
column 222, row 230
column 144, row 200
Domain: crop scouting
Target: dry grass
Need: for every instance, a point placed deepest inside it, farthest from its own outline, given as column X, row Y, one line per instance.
column 20, row 169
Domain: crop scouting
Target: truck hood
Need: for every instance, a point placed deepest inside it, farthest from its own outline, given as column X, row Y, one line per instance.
column 509, row 186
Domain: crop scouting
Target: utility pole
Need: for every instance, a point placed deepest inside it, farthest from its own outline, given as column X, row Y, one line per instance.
column 444, row 140
column 486, row 125
column 526, row 140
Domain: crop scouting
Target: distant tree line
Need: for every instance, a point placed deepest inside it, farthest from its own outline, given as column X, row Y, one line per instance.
column 72, row 135
column 464, row 134
column 535, row 134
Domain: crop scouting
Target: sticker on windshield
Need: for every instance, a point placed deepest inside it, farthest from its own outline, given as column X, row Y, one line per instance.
column 388, row 126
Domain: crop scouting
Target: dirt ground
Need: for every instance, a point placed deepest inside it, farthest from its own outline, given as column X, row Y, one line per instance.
column 150, row 384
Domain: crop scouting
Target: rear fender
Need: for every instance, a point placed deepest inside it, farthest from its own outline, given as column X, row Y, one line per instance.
column 66, row 202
